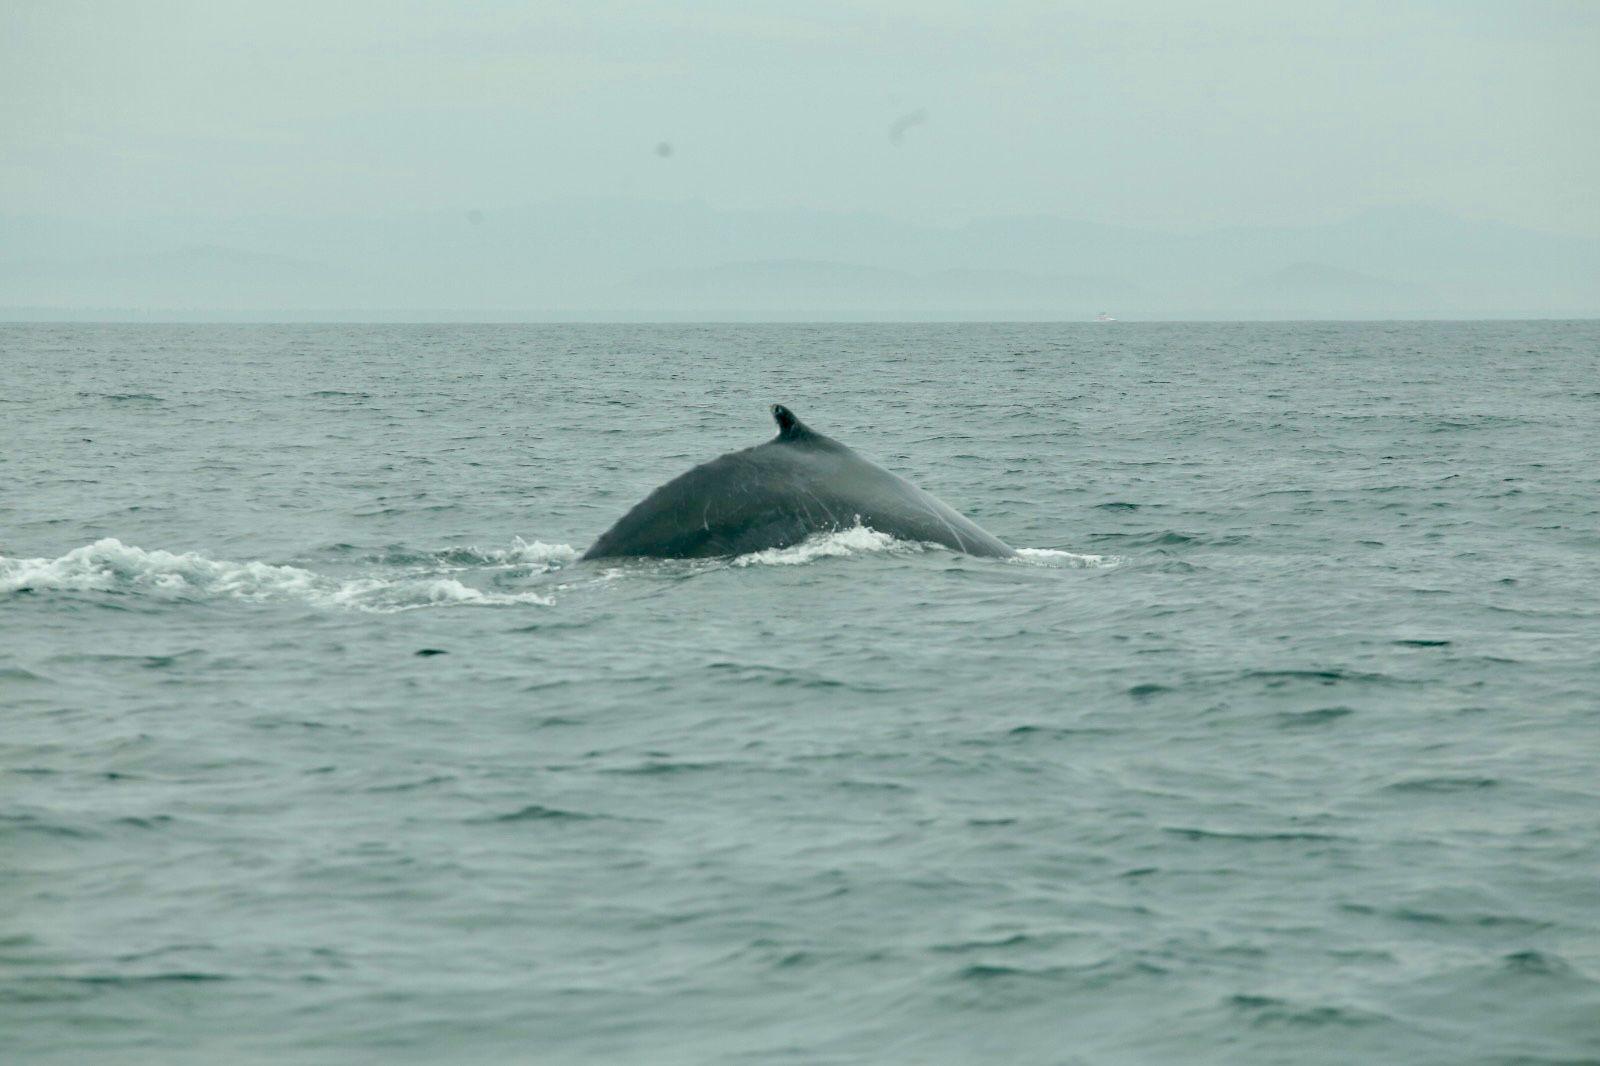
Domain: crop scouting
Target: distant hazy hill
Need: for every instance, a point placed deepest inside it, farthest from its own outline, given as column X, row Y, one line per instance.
column 206, row 276
column 1304, row 288
column 629, row 259
column 798, row 285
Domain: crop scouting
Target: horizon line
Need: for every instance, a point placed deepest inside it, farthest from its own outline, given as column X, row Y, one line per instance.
column 33, row 315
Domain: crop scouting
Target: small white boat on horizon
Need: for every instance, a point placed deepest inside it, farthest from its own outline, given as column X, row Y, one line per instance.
column 1103, row 317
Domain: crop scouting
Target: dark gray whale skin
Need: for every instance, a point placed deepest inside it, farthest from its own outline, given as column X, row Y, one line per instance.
column 777, row 494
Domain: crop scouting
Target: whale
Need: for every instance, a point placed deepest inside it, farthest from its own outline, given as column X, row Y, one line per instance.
column 777, row 494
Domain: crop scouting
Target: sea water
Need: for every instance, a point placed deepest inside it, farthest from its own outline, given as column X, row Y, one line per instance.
column 1278, row 743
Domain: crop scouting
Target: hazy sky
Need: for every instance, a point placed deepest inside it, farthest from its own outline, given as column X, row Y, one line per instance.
column 1173, row 115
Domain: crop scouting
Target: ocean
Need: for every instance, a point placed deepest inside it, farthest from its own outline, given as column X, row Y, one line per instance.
column 318, row 744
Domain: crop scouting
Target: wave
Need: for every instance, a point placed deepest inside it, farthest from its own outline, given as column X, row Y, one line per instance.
column 857, row 540
column 469, row 556
column 417, row 578
column 1066, row 560
column 864, row 540
column 525, row 553
column 108, row 565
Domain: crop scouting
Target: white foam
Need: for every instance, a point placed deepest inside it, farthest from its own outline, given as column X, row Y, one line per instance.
column 1065, row 559
column 860, row 540
column 856, row 540
column 521, row 553
column 110, row 565
column 538, row 553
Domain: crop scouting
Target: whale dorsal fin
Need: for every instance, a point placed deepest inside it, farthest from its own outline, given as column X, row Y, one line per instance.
column 790, row 428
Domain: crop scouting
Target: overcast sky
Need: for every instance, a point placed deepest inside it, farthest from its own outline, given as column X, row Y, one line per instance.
column 1171, row 115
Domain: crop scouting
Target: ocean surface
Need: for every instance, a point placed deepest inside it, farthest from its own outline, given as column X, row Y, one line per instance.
column 318, row 744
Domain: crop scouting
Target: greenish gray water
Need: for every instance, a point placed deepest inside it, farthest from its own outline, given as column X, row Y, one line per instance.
column 1279, row 747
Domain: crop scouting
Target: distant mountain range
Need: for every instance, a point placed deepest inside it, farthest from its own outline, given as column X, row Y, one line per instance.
column 635, row 259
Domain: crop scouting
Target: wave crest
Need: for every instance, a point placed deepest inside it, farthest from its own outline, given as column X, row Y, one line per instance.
column 535, row 553
column 1065, row 559
column 861, row 540
column 108, row 565
column 856, row 540
column 469, row 556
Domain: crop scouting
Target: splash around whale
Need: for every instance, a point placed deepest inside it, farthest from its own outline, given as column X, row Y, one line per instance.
column 776, row 494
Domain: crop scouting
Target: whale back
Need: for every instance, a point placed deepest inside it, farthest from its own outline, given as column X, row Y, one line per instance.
column 778, row 493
